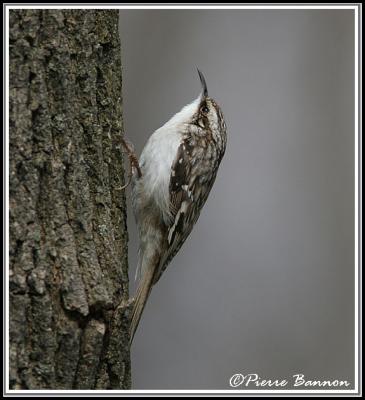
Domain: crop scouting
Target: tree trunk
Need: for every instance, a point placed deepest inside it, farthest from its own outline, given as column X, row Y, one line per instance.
column 68, row 237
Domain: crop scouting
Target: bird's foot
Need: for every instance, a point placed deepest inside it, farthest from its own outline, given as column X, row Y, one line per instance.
column 133, row 161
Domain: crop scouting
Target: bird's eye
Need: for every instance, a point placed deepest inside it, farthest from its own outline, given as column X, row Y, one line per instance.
column 205, row 110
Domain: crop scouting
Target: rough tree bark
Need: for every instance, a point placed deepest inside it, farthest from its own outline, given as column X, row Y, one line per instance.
column 68, row 236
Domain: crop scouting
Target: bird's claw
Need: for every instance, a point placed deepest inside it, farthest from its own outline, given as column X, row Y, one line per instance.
column 133, row 162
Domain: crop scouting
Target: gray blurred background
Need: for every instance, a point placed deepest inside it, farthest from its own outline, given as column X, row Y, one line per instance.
column 265, row 282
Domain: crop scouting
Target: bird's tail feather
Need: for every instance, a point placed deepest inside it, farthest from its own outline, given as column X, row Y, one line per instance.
column 143, row 291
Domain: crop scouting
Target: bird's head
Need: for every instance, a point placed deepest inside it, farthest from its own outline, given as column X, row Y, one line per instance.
column 208, row 116
column 201, row 117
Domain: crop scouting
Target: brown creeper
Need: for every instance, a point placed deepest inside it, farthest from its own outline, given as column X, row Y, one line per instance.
column 179, row 164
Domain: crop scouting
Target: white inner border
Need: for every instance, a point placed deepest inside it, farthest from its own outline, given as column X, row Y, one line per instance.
column 357, row 223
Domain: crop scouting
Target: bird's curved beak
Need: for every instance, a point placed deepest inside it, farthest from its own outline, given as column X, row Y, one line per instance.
column 204, row 84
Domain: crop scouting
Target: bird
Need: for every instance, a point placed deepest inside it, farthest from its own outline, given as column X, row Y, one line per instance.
column 177, row 169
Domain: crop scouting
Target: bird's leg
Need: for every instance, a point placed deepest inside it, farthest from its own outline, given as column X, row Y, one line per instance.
column 132, row 156
column 133, row 161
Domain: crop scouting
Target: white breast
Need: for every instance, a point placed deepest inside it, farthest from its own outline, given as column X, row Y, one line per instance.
column 158, row 156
